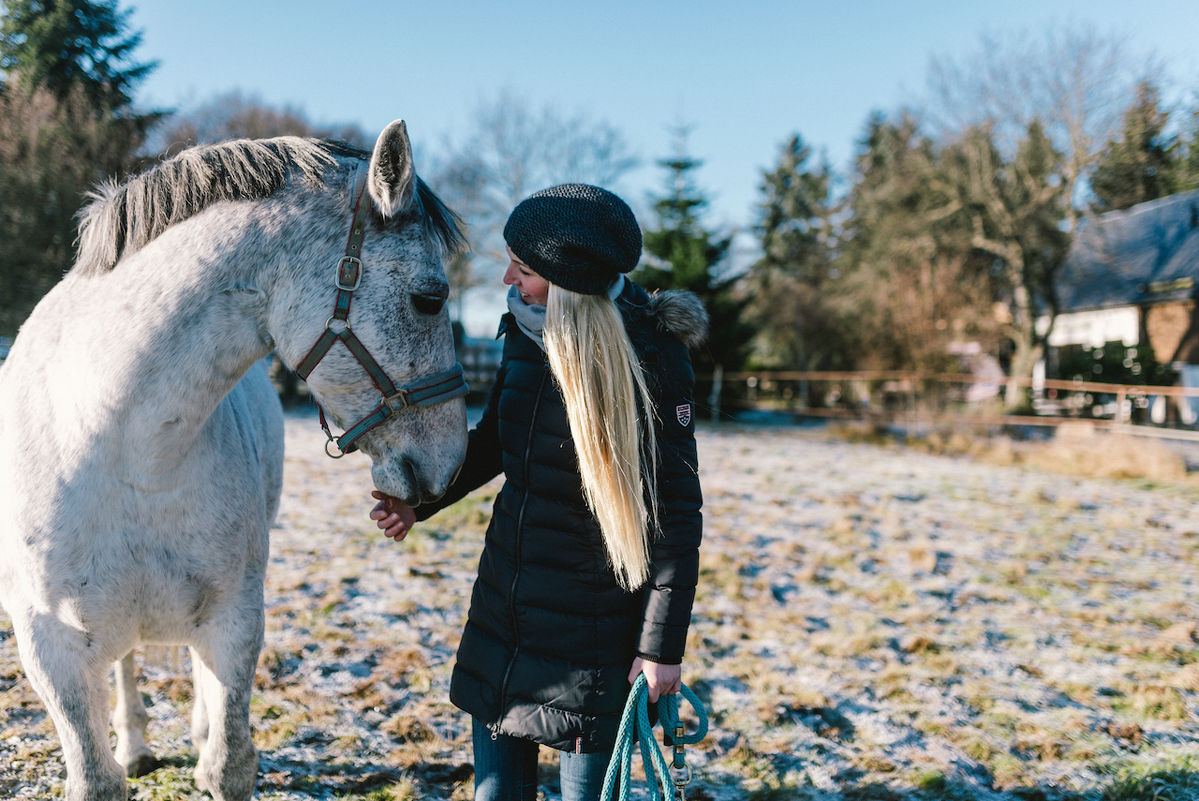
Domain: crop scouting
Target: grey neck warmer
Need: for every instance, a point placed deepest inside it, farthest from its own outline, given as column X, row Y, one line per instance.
column 531, row 319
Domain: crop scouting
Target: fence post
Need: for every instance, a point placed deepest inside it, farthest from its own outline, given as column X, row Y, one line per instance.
column 714, row 398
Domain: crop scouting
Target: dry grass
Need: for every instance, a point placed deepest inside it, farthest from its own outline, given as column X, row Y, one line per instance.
column 1075, row 449
column 874, row 622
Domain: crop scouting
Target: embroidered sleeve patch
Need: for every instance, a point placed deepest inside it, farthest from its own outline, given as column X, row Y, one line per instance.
column 682, row 413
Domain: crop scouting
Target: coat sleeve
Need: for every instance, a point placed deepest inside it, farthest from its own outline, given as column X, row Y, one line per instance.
column 674, row 548
column 483, row 460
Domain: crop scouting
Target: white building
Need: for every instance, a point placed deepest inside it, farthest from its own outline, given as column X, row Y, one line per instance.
column 1132, row 276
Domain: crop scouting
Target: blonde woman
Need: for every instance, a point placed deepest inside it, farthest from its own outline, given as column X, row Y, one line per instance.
column 589, row 567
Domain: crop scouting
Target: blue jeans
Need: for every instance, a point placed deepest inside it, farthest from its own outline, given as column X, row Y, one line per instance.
column 506, row 769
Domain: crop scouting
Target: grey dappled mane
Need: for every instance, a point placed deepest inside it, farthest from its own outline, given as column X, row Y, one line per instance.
column 122, row 218
column 440, row 221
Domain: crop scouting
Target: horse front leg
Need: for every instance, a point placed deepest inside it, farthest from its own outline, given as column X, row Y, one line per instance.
column 223, row 665
column 66, row 671
column 199, row 709
column 129, row 719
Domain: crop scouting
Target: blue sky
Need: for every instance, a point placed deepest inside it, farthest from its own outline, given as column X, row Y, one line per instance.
column 744, row 75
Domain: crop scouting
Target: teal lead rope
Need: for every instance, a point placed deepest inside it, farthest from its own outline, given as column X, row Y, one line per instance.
column 635, row 727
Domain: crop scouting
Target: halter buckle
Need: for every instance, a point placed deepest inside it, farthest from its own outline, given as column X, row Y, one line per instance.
column 398, row 401
column 349, row 273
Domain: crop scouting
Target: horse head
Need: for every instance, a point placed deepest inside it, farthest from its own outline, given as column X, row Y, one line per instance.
column 366, row 324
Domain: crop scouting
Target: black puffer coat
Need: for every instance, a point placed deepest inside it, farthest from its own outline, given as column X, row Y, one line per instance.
column 550, row 635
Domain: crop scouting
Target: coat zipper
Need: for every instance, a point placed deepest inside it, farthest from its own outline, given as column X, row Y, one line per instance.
column 520, row 522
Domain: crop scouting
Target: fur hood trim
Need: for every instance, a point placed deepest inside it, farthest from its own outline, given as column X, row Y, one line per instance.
column 680, row 313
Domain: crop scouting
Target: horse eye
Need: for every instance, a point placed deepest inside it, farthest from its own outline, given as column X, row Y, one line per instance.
column 429, row 302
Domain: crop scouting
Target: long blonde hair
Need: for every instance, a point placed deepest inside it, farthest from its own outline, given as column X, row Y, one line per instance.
column 609, row 408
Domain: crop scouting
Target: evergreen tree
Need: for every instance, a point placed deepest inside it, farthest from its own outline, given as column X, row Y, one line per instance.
column 1017, row 210
column 65, row 123
column 1138, row 165
column 787, row 287
column 65, row 45
column 952, row 242
column 1186, row 165
column 684, row 254
column 909, row 282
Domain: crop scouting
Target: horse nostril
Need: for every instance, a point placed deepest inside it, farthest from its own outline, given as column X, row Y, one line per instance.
column 420, row 493
column 429, row 302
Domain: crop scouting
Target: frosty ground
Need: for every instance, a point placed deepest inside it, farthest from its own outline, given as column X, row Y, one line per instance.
column 873, row 622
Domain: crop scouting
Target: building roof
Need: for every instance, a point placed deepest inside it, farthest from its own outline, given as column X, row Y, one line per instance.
column 1143, row 255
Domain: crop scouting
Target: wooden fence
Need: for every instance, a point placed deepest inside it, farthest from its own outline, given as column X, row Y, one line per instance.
column 913, row 396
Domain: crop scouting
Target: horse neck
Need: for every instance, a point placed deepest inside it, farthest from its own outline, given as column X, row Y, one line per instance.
column 181, row 322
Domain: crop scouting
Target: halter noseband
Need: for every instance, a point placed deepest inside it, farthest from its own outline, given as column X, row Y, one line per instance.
column 427, row 391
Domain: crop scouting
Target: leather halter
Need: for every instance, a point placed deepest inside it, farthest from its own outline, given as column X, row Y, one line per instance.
column 427, row 391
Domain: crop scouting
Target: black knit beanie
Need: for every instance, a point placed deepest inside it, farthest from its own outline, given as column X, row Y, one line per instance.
column 576, row 236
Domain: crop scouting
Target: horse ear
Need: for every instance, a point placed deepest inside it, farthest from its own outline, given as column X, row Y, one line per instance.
column 392, row 179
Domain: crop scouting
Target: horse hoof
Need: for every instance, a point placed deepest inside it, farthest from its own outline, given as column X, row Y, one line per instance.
column 142, row 764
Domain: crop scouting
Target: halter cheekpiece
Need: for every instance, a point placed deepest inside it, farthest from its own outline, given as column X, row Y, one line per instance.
column 427, row 391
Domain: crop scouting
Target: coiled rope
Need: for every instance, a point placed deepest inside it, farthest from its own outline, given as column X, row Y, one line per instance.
column 635, row 727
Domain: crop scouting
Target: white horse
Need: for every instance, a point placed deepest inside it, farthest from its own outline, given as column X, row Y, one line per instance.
column 141, row 440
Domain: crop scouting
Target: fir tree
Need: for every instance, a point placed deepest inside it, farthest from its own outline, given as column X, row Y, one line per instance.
column 1017, row 209
column 1140, row 164
column 66, row 122
column 908, row 281
column 788, row 301
column 65, row 45
column 1186, row 166
column 684, row 254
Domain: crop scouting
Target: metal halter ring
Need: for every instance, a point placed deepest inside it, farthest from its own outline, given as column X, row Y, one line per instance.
column 332, row 441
